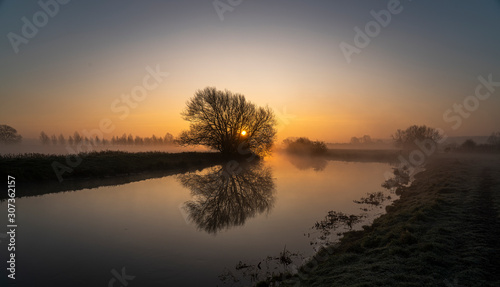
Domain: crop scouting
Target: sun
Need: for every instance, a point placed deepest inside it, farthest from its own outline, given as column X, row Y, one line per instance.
column 243, row 133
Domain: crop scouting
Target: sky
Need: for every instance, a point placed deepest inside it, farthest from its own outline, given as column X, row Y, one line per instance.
column 83, row 61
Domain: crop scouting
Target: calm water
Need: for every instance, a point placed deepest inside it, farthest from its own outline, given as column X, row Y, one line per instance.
column 183, row 230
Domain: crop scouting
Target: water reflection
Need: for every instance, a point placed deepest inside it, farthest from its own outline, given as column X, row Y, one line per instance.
column 304, row 163
column 400, row 182
column 226, row 197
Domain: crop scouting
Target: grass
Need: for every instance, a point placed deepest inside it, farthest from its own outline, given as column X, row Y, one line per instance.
column 38, row 168
column 35, row 167
column 443, row 231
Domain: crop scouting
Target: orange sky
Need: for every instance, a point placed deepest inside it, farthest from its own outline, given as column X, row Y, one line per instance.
column 68, row 77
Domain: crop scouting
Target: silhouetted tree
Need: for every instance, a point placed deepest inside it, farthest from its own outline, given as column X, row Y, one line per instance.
column 305, row 146
column 168, row 139
column 123, row 139
column 71, row 141
column 366, row 139
column 468, row 145
column 408, row 138
column 61, row 139
column 77, row 138
column 8, row 135
column 355, row 140
column 44, row 138
column 138, row 140
column 53, row 139
column 228, row 123
column 130, row 139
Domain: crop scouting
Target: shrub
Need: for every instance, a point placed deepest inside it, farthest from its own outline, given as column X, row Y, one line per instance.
column 304, row 146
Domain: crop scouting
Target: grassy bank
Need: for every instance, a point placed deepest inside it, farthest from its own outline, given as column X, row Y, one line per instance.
column 443, row 231
column 39, row 167
column 35, row 167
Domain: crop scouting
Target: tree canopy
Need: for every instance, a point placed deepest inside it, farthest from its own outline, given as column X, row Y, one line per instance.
column 8, row 135
column 407, row 139
column 305, row 146
column 228, row 123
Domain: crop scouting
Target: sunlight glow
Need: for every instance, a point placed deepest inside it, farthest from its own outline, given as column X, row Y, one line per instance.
column 243, row 133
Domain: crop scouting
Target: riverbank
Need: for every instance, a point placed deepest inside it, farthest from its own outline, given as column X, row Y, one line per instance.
column 443, row 231
column 37, row 167
column 36, row 173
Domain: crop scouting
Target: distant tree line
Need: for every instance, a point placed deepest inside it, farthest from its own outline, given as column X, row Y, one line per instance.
column 417, row 136
column 365, row 140
column 469, row 145
column 124, row 139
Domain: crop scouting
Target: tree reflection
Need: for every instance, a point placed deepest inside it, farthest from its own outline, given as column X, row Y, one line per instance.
column 304, row 162
column 226, row 197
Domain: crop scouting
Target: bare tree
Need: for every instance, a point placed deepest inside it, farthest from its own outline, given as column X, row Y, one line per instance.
column 138, row 140
column 44, row 138
column 366, row 139
column 130, row 139
column 53, row 139
column 228, row 123
column 408, row 138
column 77, row 138
column 355, row 140
column 123, row 139
column 8, row 135
column 168, row 139
column 61, row 139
